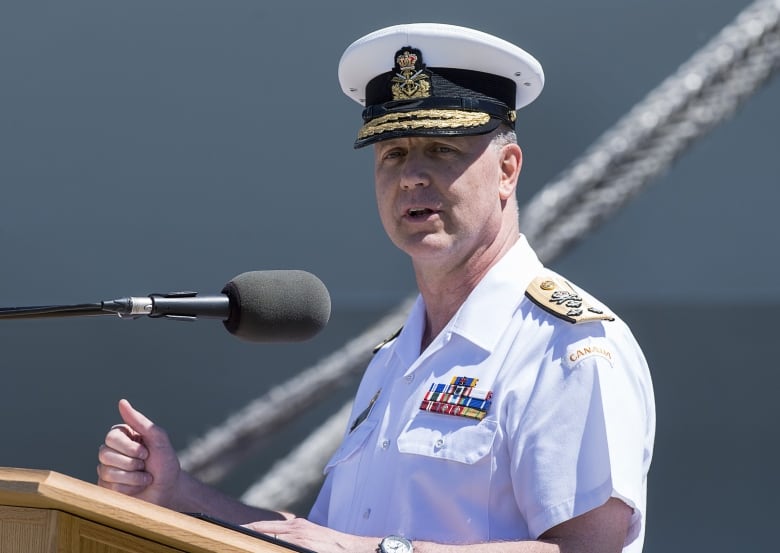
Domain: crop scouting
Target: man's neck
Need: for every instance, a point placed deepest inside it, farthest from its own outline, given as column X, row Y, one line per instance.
column 444, row 290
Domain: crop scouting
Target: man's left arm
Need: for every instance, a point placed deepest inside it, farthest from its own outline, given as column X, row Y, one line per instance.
column 601, row 530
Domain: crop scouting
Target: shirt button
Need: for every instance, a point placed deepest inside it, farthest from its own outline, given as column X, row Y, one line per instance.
column 367, row 513
column 385, row 444
column 409, row 378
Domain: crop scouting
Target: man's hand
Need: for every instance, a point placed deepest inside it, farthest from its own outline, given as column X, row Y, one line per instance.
column 313, row 536
column 138, row 459
column 601, row 530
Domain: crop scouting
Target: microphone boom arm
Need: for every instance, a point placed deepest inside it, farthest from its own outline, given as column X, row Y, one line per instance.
column 169, row 306
column 47, row 311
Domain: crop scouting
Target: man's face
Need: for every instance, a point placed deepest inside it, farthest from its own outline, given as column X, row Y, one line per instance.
column 441, row 197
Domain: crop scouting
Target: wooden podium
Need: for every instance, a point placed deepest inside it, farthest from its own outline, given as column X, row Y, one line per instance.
column 47, row 512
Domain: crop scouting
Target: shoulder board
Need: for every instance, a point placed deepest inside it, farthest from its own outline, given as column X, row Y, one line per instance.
column 387, row 340
column 556, row 296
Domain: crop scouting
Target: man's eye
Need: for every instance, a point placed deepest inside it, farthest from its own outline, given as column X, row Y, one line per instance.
column 444, row 149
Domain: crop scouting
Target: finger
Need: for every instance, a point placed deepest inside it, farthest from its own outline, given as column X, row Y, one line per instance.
column 268, row 527
column 121, row 488
column 127, row 430
column 125, row 442
column 113, row 458
column 153, row 435
column 118, row 477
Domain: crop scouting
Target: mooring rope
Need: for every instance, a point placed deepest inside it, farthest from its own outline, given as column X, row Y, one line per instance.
column 215, row 454
column 296, row 475
column 703, row 92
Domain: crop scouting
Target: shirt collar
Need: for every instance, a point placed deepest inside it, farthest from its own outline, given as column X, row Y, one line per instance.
column 488, row 309
column 491, row 305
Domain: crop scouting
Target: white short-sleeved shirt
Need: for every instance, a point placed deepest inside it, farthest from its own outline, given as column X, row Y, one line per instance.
column 570, row 423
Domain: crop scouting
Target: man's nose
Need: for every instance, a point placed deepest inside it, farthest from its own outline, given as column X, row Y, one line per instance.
column 415, row 173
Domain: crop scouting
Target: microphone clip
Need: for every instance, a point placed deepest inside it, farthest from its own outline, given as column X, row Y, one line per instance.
column 161, row 314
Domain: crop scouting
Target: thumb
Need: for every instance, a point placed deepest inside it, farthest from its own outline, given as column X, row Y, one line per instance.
column 151, row 434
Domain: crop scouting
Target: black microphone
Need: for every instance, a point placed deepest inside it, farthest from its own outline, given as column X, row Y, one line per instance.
column 268, row 306
column 258, row 306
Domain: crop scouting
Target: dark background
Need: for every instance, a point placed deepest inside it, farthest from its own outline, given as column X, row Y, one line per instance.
column 167, row 145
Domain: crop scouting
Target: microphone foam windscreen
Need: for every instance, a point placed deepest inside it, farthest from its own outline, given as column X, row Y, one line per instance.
column 276, row 306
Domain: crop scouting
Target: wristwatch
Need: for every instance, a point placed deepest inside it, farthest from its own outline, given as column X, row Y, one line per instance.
column 395, row 544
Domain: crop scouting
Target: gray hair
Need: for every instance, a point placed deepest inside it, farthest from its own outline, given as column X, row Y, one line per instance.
column 503, row 136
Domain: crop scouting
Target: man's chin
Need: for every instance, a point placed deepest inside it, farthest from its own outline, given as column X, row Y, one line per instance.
column 426, row 246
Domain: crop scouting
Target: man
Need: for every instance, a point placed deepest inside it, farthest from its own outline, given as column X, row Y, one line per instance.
column 512, row 413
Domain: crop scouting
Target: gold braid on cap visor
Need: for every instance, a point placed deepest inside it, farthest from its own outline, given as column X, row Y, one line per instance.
column 423, row 119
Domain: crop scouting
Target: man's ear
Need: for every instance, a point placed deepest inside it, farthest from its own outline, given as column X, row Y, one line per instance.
column 511, row 161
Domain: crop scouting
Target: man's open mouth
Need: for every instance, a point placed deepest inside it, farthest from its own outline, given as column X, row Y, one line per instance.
column 418, row 212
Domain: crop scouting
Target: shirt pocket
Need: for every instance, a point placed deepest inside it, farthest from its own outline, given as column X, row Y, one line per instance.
column 352, row 443
column 448, row 437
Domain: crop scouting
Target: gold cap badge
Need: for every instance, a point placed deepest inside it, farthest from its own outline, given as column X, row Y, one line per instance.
column 411, row 80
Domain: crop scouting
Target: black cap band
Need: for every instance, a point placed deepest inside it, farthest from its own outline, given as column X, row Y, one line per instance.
column 454, row 102
column 448, row 82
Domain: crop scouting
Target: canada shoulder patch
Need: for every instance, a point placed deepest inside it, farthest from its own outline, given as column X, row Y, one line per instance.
column 581, row 351
column 557, row 296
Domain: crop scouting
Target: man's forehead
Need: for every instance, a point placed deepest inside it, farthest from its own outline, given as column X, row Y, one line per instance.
column 468, row 140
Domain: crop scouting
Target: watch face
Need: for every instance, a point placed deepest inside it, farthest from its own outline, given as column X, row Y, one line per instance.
column 396, row 544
